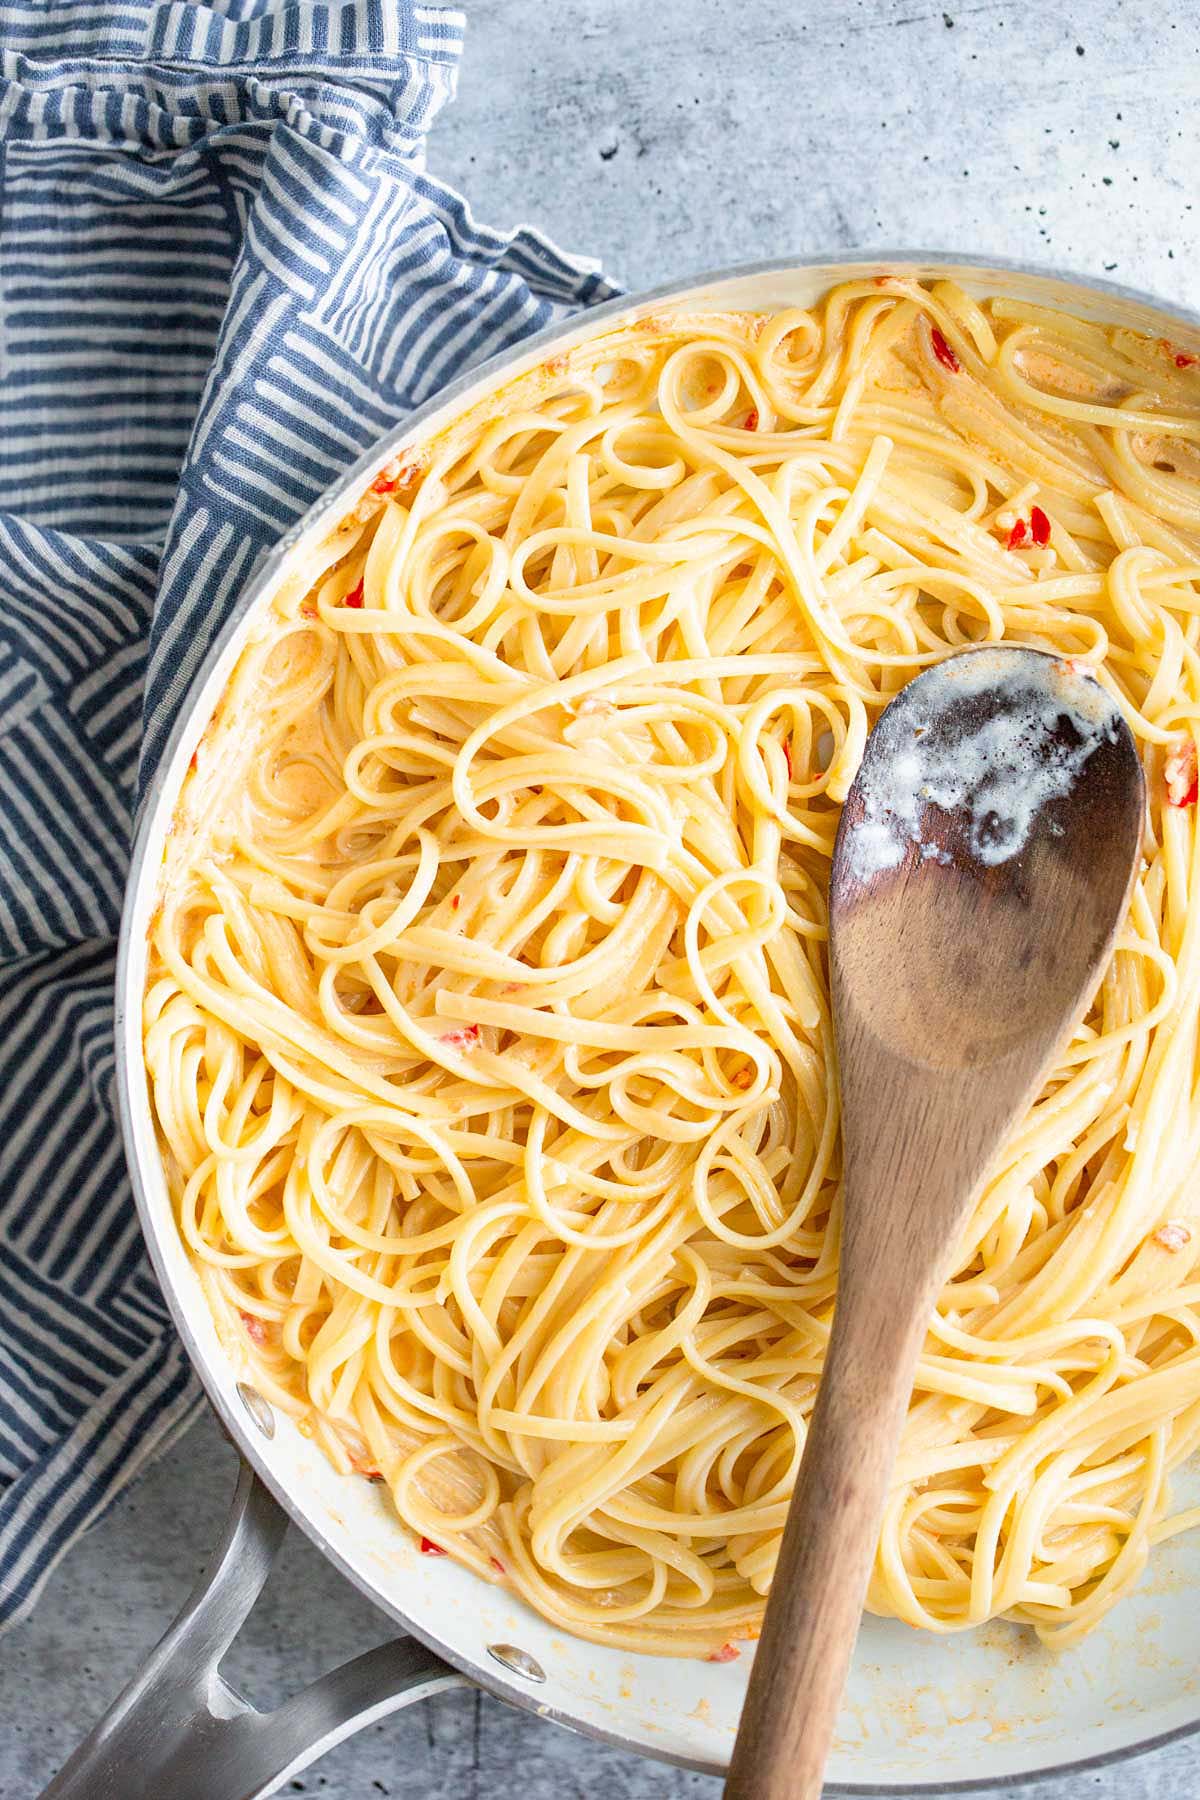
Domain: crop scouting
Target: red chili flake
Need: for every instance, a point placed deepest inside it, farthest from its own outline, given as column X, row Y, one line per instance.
column 1039, row 525
column 429, row 1548
column 397, row 478
column 257, row 1330
column 787, row 757
column 1180, row 775
column 496, row 1564
column 463, row 1039
column 194, row 759
column 1018, row 534
column 744, row 1076
column 355, row 596
column 308, row 609
column 943, row 352
column 751, row 420
column 1183, row 361
column 1173, row 1236
column 455, row 902
column 727, row 1653
column 374, row 1474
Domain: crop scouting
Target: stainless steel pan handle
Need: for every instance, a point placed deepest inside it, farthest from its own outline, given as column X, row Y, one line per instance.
column 179, row 1729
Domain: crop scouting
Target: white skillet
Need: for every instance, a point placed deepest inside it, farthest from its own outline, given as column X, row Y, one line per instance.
column 922, row 1713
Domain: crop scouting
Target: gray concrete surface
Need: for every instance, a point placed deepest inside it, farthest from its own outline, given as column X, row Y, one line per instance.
column 670, row 135
column 666, row 136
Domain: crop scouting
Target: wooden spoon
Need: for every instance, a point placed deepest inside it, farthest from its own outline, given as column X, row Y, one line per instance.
column 983, row 862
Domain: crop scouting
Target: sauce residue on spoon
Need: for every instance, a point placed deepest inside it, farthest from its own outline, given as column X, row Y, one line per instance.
column 994, row 739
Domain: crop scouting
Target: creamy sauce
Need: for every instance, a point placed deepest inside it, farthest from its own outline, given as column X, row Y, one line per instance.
column 996, row 767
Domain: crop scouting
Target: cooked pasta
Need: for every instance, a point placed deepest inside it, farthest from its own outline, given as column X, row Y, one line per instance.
column 487, row 1023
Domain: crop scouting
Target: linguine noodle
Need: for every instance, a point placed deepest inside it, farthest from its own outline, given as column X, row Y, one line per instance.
column 488, row 1025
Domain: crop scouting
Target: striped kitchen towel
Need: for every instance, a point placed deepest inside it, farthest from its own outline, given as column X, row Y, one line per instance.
column 224, row 271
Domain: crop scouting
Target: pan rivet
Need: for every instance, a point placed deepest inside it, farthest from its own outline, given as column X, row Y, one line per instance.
column 519, row 1661
column 258, row 1408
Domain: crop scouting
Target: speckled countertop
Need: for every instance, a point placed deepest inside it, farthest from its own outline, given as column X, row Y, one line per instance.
column 667, row 136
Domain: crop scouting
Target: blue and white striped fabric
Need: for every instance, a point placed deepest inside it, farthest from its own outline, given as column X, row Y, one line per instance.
column 223, row 272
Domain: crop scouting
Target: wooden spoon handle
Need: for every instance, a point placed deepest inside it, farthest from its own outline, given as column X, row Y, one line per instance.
column 825, row 1558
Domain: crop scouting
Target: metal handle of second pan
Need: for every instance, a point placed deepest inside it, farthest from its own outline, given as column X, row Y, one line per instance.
column 180, row 1729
